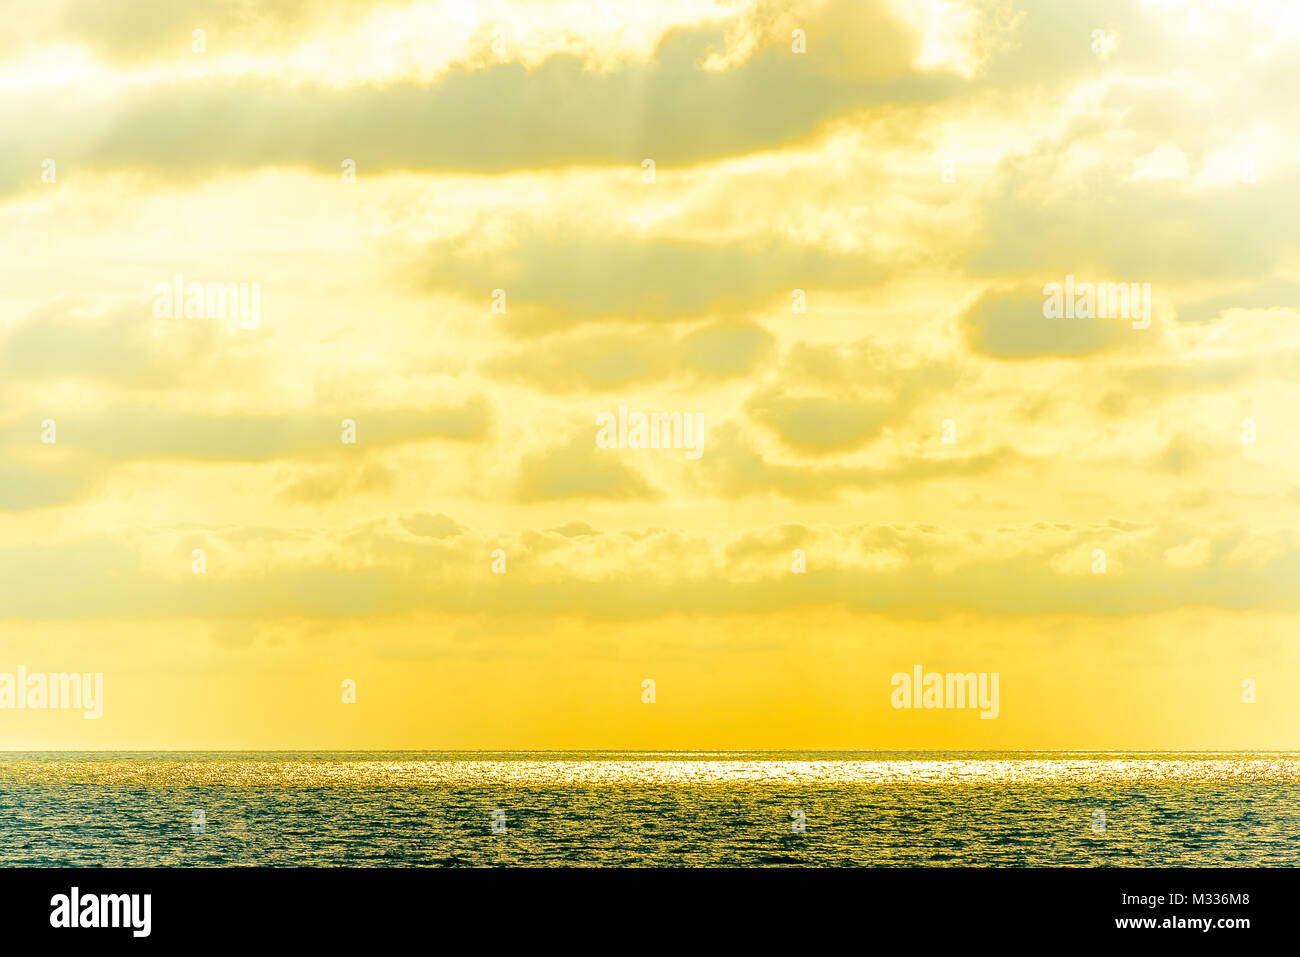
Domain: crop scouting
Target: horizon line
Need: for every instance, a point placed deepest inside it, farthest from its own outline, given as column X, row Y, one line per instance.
column 648, row 751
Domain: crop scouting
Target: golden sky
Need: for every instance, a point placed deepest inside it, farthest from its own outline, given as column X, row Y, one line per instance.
column 836, row 259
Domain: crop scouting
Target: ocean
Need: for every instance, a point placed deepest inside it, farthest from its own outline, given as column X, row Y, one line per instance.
column 818, row 809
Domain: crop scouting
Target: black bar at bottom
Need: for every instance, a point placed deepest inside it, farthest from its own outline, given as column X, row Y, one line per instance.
column 540, row 906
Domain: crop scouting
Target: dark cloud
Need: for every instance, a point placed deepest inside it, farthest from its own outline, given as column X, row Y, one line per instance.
column 502, row 117
column 837, row 398
column 43, row 486
column 123, row 433
column 1011, row 325
column 581, row 470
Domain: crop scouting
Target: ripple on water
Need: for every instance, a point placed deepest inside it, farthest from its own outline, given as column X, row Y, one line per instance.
column 428, row 809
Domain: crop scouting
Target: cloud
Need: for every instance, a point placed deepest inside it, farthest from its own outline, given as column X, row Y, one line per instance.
column 1011, row 325
column 426, row 525
column 128, row 432
column 1073, row 201
column 552, row 280
column 581, row 470
column 1142, row 231
column 30, row 487
column 821, row 425
column 900, row 571
column 123, row 346
column 321, row 485
column 146, row 29
column 737, row 469
column 1272, row 294
column 671, row 109
column 1048, row 44
column 837, row 398
column 608, row 360
column 574, row 530
column 1181, row 455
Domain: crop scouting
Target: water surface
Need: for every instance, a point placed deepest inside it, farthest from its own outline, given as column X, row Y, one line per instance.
column 649, row 809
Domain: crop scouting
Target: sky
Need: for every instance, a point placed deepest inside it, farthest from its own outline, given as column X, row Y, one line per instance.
column 824, row 231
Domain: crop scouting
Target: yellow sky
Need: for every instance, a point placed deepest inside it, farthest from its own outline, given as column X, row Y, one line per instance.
column 838, row 265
